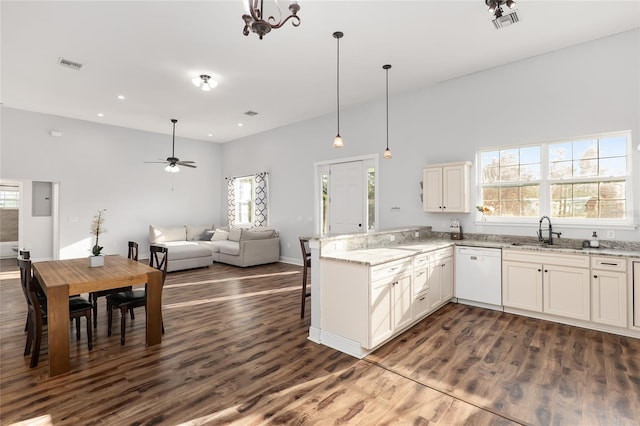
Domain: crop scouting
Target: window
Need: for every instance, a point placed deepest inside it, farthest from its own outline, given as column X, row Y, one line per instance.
column 9, row 199
column 247, row 198
column 581, row 179
column 244, row 200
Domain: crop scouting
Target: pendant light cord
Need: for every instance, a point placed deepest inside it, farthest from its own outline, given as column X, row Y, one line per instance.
column 387, row 71
column 338, row 83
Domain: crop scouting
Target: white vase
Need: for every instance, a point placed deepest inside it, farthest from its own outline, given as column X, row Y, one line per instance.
column 95, row 261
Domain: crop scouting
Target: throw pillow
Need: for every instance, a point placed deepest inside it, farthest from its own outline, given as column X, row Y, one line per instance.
column 207, row 235
column 220, row 235
column 234, row 234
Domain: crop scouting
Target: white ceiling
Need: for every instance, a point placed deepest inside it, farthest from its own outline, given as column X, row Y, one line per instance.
column 148, row 51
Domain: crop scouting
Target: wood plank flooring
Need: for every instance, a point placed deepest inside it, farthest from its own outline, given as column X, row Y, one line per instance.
column 235, row 352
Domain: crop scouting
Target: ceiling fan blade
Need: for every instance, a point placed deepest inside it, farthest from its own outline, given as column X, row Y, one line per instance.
column 156, row 162
column 186, row 161
column 186, row 165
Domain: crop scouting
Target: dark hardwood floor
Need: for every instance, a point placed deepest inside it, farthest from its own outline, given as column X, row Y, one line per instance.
column 235, row 352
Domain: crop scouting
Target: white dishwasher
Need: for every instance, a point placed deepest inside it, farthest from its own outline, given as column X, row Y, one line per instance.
column 479, row 276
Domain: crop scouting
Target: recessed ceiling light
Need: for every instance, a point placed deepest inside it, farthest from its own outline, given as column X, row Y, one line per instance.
column 239, row 124
column 121, row 97
column 100, row 114
column 210, row 134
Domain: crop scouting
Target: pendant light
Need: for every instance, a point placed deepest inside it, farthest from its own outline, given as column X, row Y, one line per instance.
column 387, row 152
column 337, row 142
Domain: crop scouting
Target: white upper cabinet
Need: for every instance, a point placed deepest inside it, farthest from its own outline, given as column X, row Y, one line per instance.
column 445, row 188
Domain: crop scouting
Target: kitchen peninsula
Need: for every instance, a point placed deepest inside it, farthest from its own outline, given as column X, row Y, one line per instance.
column 372, row 287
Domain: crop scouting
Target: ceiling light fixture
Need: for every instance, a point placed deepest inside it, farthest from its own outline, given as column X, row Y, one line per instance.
column 204, row 82
column 500, row 18
column 254, row 13
column 337, row 142
column 387, row 152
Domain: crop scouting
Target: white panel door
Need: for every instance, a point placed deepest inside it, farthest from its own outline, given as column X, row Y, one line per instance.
column 346, row 198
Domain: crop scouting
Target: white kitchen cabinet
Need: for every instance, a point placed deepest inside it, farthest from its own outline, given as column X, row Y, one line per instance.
column 440, row 278
column 609, row 290
column 446, row 188
column 636, row 294
column 553, row 284
column 381, row 304
column 566, row 291
column 522, row 285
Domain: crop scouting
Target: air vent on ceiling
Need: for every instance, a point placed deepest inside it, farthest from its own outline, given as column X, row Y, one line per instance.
column 70, row 64
column 251, row 113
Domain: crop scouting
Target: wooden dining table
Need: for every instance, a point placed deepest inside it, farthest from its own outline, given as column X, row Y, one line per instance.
column 63, row 278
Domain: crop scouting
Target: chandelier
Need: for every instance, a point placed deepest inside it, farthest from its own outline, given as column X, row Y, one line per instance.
column 502, row 19
column 254, row 13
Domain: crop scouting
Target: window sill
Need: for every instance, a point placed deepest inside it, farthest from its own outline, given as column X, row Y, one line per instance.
column 535, row 223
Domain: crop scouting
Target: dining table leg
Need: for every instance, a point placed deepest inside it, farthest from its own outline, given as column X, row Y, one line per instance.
column 154, row 308
column 58, row 330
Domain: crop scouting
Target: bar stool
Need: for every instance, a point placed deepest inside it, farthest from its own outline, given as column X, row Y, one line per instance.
column 306, row 264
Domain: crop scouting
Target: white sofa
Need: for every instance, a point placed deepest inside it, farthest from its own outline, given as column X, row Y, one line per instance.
column 196, row 246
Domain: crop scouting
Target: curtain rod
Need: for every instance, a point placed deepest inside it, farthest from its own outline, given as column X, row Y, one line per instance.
column 237, row 177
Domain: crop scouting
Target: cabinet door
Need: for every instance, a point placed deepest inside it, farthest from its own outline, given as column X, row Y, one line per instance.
column 432, row 189
column 609, row 298
column 435, row 286
column 636, row 294
column 522, row 285
column 566, row 292
column 380, row 312
column 402, row 299
column 447, row 279
column 454, row 190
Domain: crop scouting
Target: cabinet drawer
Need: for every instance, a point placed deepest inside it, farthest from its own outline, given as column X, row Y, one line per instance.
column 390, row 269
column 547, row 258
column 420, row 261
column 420, row 305
column 608, row 263
column 438, row 255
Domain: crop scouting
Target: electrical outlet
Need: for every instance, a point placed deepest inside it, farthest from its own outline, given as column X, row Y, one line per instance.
column 611, row 234
column 416, row 234
column 392, row 237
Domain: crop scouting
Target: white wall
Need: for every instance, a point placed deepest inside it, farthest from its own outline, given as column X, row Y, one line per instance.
column 102, row 167
column 585, row 89
column 590, row 88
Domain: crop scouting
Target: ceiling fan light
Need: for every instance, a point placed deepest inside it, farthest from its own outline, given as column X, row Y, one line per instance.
column 196, row 81
column 337, row 142
column 511, row 4
column 172, row 168
column 205, row 87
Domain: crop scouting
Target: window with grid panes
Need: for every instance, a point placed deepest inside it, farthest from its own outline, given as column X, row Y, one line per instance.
column 581, row 178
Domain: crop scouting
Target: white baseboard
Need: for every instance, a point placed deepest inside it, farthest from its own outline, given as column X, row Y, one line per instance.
column 339, row 343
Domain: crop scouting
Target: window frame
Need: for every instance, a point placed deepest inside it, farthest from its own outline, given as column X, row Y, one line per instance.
column 546, row 182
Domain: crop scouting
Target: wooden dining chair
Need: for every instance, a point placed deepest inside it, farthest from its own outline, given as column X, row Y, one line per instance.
column 128, row 300
column 26, row 255
column 93, row 296
column 306, row 264
column 37, row 313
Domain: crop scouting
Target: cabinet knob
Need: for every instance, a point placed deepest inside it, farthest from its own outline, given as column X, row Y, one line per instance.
column 539, row 270
column 421, row 299
column 546, row 270
column 595, row 276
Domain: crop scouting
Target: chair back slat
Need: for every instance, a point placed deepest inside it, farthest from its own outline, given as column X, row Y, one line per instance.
column 304, row 246
column 28, row 287
column 133, row 251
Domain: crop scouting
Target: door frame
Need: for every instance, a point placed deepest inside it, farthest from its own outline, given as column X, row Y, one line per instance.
column 318, row 166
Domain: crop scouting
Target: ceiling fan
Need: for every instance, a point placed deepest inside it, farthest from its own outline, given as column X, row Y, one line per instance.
column 173, row 161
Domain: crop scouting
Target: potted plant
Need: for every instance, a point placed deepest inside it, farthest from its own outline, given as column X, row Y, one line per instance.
column 97, row 228
column 484, row 210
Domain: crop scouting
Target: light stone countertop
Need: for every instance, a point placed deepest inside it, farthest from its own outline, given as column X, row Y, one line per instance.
column 377, row 256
